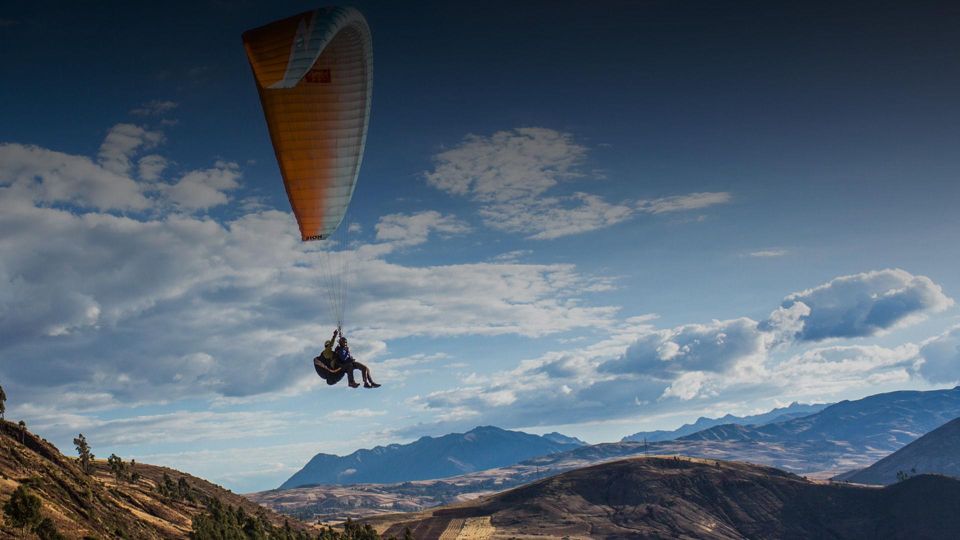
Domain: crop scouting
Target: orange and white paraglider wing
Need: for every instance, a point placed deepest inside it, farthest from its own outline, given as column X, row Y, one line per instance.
column 314, row 72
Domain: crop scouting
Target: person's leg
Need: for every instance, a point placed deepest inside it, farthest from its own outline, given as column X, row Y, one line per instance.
column 349, row 367
column 367, row 377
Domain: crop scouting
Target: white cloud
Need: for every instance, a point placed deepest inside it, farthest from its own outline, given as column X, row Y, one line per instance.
column 864, row 304
column 682, row 203
column 508, row 165
column 45, row 176
column 123, row 141
column 940, row 358
column 514, row 176
column 768, row 253
column 206, row 188
column 646, row 370
column 825, row 370
column 554, row 217
column 137, row 307
column 413, row 229
column 716, row 347
column 151, row 167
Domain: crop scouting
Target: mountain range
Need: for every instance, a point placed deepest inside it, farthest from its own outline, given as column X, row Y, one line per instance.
column 937, row 452
column 671, row 497
column 481, row 448
column 840, row 437
column 884, row 422
column 794, row 410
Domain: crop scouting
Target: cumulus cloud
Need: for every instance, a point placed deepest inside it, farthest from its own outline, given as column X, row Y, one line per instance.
column 413, row 229
column 939, row 360
column 860, row 305
column 714, row 347
column 122, row 142
column 48, row 177
column 206, row 188
column 136, row 307
column 649, row 370
column 151, row 167
column 513, row 175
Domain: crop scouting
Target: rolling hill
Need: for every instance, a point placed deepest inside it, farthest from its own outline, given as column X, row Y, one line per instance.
column 937, row 452
column 663, row 497
column 457, row 453
column 96, row 505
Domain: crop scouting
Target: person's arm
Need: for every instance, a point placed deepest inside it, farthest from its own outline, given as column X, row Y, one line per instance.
column 335, row 332
column 324, row 366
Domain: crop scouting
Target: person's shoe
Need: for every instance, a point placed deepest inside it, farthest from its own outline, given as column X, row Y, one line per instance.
column 371, row 385
column 354, row 384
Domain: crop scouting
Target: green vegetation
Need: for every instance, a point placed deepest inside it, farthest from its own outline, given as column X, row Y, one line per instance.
column 228, row 523
column 23, row 509
column 86, row 456
column 117, row 467
column 178, row 491
column 46, row 530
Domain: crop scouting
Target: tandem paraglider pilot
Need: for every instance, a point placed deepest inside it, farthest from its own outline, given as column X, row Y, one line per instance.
column 333, row 364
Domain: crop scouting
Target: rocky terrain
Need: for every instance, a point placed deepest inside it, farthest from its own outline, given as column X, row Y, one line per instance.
column 937, row 452
column 675, row 497
column 96, row 505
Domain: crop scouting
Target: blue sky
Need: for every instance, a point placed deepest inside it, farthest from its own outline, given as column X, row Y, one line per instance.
column 597, row 220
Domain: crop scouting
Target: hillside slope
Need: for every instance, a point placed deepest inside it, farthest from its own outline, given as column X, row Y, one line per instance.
column 428, row 457
column 937, row 452
column 96, row 505
column 663, row 497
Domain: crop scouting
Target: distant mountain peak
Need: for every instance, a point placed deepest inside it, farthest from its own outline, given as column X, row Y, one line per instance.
column 482, row 447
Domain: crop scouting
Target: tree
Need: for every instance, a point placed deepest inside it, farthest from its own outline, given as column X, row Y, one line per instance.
column 86, row 456
column 3, row 401
column 47, row 530
column 23, row 509
column 117, row 467
column 134, row 475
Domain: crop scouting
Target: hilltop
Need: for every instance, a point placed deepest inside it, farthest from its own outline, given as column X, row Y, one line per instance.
column 672, row 497
column 937, row 452
column 98, row 506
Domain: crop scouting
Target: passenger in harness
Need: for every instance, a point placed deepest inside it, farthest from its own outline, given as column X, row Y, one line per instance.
column 348, row 363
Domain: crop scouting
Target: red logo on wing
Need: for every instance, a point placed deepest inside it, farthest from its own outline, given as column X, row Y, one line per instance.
column 317, row 75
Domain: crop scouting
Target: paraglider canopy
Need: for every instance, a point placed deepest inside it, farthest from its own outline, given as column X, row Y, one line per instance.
column 314, row 72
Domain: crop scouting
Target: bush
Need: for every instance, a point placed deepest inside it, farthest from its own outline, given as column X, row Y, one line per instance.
column 23, row 509
column 46, row 530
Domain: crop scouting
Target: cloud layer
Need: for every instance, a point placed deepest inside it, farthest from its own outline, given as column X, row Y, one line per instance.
column 114, row 282
column 514, row 175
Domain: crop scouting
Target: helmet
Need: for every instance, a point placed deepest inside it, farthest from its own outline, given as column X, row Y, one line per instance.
column 328, row 343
